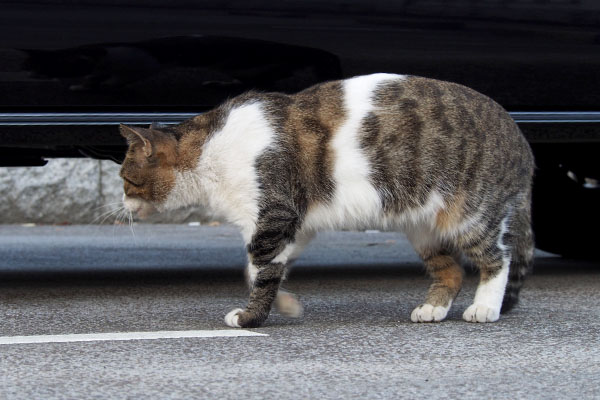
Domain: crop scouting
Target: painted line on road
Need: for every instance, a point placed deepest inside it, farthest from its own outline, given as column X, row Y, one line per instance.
column 100, row 337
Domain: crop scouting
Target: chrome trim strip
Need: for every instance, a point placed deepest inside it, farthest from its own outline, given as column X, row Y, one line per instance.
column 565, row 117
column 25, row 119
column 12, row 119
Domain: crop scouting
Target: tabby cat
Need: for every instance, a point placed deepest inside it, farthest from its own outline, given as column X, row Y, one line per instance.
column 442, row 163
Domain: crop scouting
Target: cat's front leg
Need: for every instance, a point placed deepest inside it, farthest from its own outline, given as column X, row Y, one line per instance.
column 269, row 250
column 262, row 294
column 285, row 302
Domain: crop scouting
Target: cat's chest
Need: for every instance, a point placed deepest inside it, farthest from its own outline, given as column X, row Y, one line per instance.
column 228, row 165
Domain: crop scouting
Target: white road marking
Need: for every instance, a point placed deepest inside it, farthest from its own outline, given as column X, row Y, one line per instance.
column 99, row 337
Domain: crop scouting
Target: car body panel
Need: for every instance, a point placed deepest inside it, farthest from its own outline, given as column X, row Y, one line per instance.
column 86, row 57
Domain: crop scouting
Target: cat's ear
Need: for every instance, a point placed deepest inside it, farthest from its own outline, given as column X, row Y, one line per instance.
column 133, row 135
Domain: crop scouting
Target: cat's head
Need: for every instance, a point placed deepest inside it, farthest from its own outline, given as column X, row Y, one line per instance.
column 148, row 170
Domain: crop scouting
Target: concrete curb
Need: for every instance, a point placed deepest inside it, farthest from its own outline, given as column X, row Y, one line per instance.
column 71, row 191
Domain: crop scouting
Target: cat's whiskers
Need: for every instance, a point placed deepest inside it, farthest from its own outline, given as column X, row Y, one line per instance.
column 130, row 217
column 119, row 219
column 122, row 215
column 105, row 215
column 115, row 203
column 115, row 214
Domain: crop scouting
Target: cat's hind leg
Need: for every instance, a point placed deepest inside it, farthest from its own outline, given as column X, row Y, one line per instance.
column 490, row 252
column 447, row 274
column 440, row 261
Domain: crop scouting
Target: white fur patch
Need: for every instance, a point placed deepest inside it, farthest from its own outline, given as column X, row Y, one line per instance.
column 356, row 203
column 419, row 223
column 489, row 295
column 426, row 214
column 132, row 204
column 231, row 319
column 429, row 313
column 225, row 178
column 481, row 313
column 252, row 273
column 285, row 254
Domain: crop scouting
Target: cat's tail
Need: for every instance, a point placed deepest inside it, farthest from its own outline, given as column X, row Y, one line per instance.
column 522, row 248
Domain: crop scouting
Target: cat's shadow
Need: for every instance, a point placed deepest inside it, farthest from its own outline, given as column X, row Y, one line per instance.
column 546, row 265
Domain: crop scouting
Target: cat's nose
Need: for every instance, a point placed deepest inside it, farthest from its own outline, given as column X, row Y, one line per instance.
column 142, row 209
column 131, row 204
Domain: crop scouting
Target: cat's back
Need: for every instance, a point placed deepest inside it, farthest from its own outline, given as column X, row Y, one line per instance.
column 403, row 104
column 377, row 143
column 391, row 142
column 417, row 119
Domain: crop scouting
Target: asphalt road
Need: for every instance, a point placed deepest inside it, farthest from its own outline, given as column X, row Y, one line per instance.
column 354, row 341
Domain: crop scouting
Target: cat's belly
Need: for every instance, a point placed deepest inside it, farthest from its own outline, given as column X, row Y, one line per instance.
column 359, row 207
column 346, row 211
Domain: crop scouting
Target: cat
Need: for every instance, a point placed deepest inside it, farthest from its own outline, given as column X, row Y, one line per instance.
column 439, row 161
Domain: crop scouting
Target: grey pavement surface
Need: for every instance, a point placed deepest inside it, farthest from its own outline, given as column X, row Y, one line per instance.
column 354, row 341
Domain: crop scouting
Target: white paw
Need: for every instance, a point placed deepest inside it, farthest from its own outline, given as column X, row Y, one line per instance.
column 287, row 304
column 481, row 313
column 231, row 319
column 428, row 313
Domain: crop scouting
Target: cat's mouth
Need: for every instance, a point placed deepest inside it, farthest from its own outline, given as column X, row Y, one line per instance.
column 140, row 208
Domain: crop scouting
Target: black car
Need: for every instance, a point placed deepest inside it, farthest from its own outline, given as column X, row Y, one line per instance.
column 71, row 71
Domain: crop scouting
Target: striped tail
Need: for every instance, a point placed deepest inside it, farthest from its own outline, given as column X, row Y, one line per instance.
column 522, row 247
